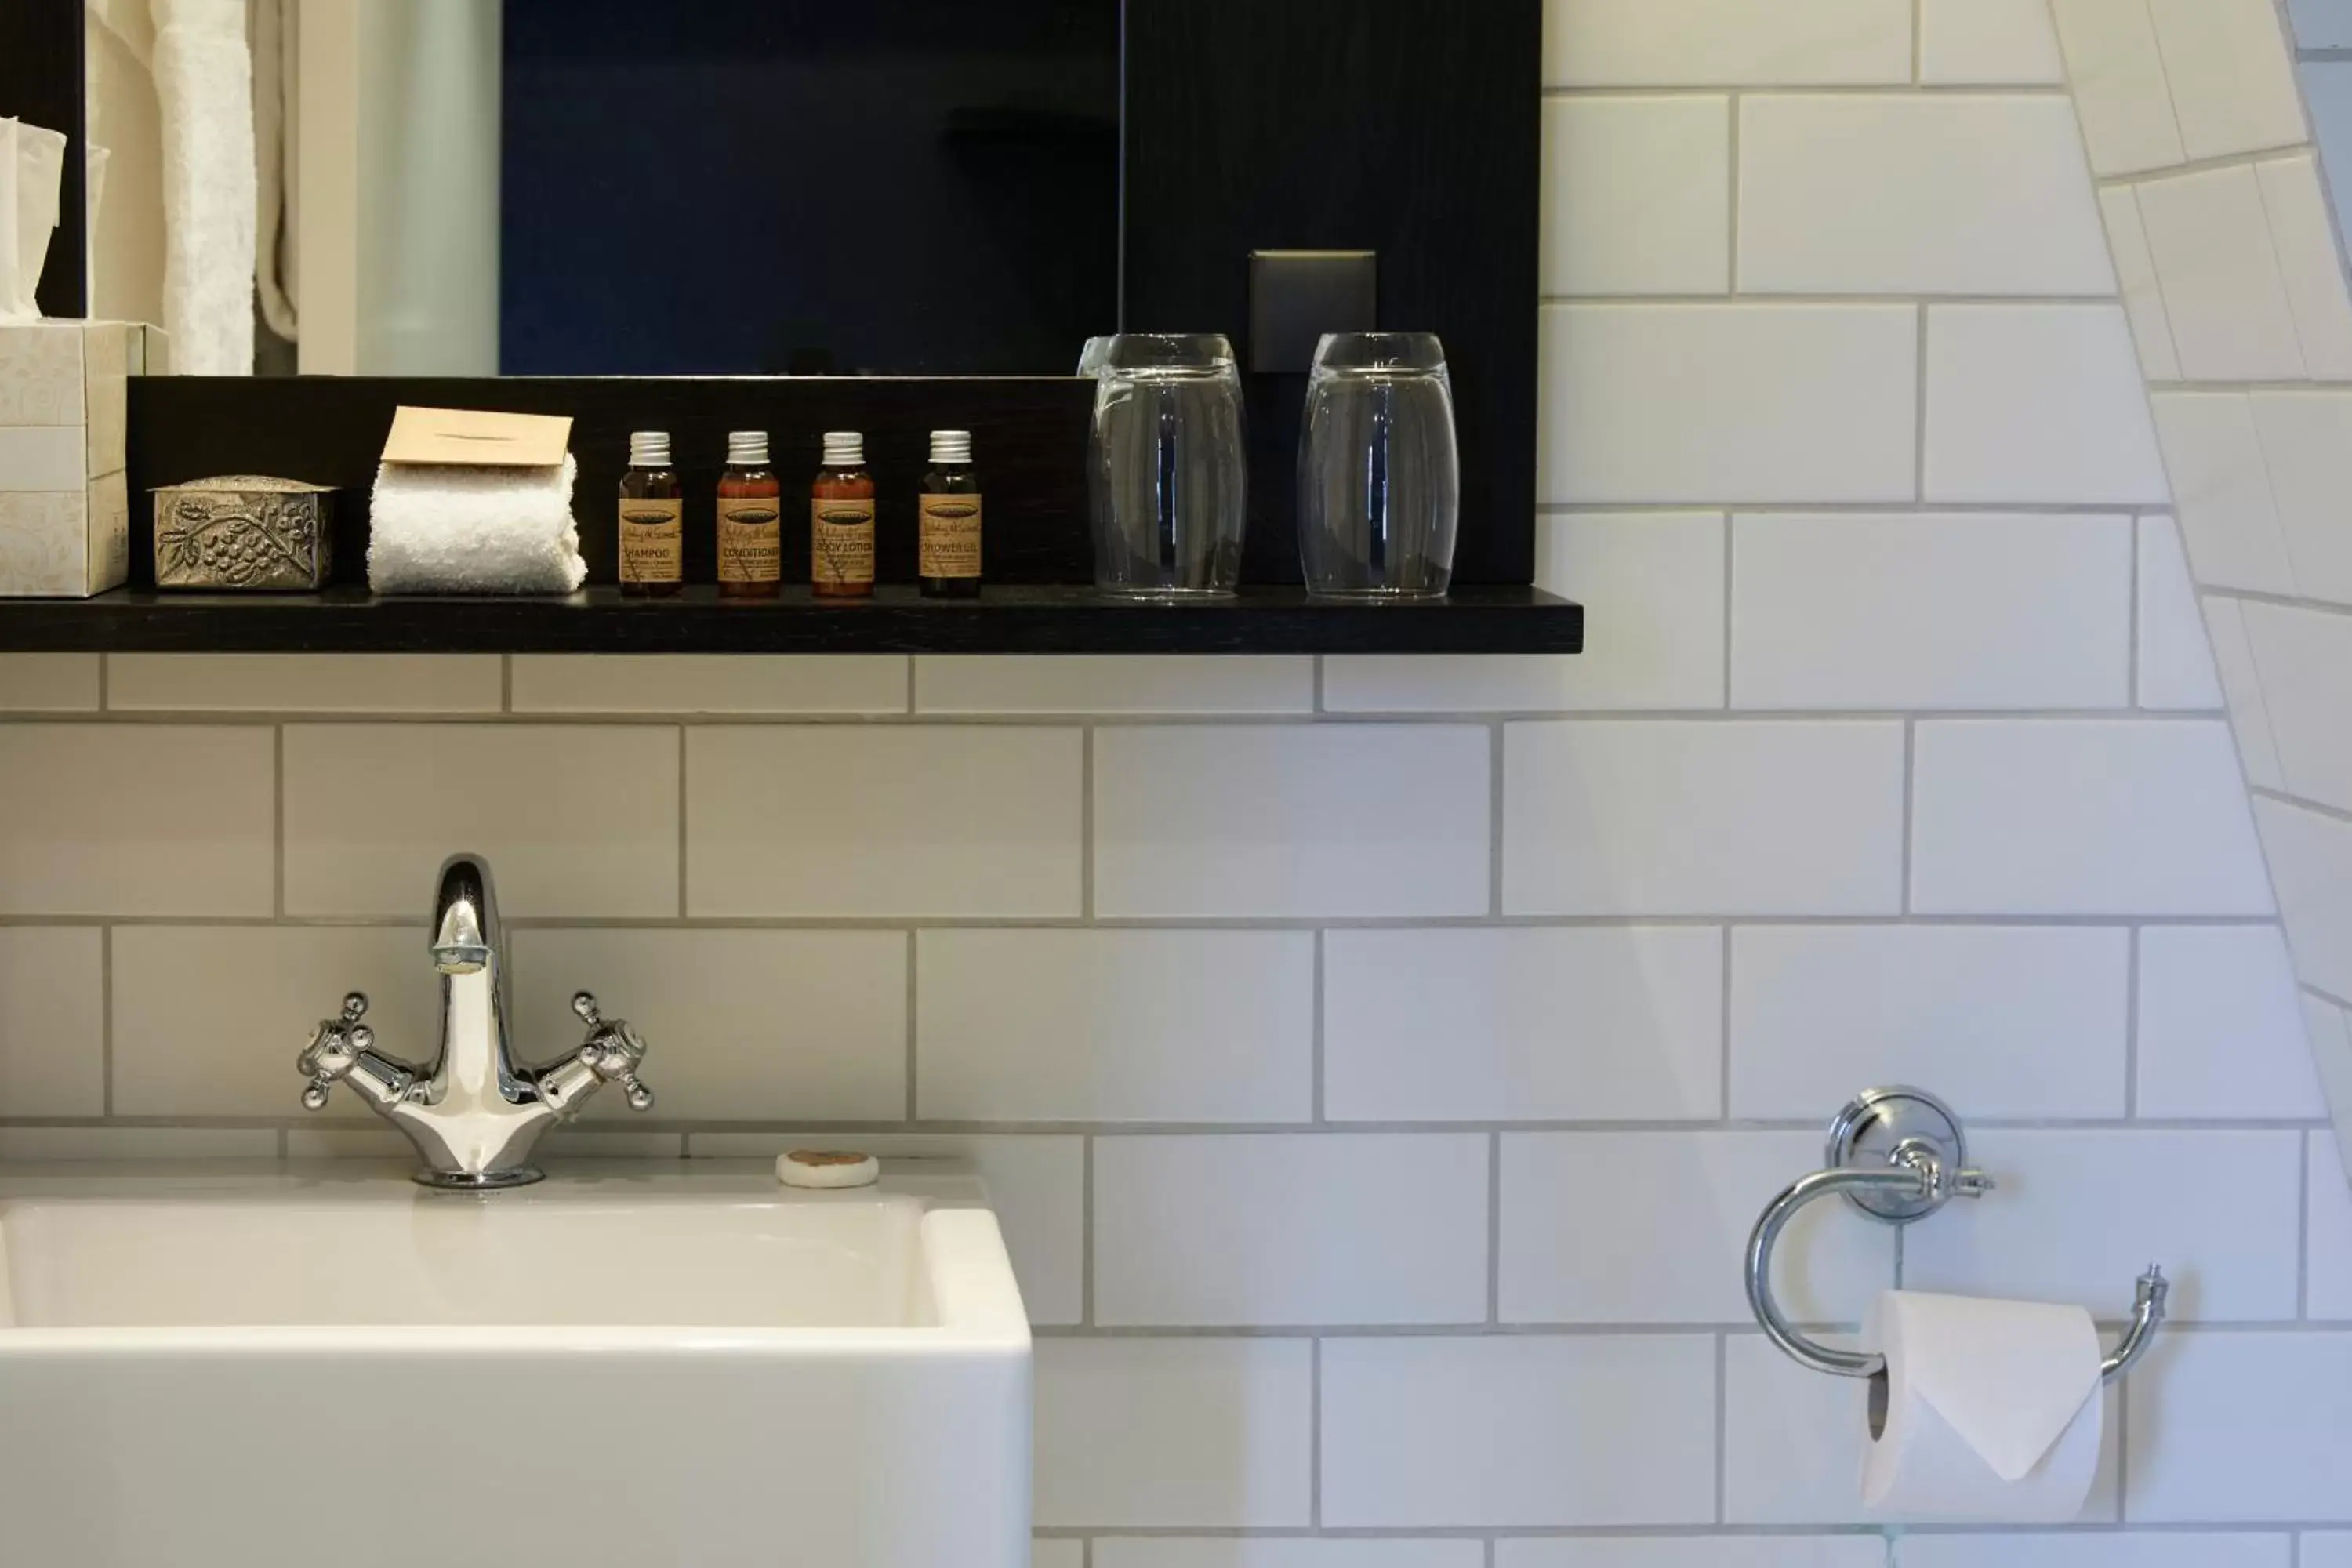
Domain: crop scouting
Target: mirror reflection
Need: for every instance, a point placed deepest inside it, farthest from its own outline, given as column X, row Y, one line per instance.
column 604, row 187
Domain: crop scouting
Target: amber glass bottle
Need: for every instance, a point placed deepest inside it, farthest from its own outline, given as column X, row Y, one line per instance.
column 750, row 514
column 948, row 544
column 840, row 520
column 652, row 524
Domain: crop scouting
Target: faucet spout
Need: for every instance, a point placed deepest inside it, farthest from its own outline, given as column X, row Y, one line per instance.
column 465, row 918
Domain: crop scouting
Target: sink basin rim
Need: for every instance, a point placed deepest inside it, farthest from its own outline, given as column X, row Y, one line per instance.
column 977, row 1304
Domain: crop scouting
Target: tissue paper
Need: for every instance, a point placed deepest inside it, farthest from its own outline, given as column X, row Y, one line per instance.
column 32, row 168
column 1986, row 1410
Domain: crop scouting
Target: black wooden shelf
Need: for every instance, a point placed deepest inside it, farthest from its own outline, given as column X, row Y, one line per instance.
column 1004, row 620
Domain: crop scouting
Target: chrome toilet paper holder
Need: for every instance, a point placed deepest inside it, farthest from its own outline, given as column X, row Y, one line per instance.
column 1898, row 1155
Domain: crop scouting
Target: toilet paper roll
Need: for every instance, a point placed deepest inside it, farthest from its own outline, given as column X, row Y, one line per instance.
column 1986, row 1410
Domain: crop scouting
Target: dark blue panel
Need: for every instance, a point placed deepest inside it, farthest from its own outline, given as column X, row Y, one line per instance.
column 739, row 187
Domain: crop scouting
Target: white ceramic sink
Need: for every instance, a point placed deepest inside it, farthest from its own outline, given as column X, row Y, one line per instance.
column 650, row 1366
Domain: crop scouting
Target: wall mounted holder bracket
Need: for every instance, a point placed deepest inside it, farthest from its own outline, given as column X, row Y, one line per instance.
column 1898, row 1155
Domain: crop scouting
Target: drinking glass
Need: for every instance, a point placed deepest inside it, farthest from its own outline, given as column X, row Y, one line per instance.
column 1379, row 480
column 1169, row 474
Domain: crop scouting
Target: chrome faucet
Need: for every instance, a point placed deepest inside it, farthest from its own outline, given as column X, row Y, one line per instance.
column 473, row 1113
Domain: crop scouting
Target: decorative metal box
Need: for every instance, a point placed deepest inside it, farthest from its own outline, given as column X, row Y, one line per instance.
column 245, row 532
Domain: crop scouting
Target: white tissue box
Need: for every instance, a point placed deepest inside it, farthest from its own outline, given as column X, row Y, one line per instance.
column 64, row 398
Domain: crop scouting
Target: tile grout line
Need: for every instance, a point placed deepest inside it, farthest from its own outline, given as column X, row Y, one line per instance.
column 940, row 1127
column 1919, row 42
column 1722, row 1427
column 1498, row 758
column 914, row 1024
column 1731, row 181
column 2164, row 75
column 1086, row 823
column 1730, row 586
column 2302, row 1236
column 1494, row 1229
column 2135, row 697
column 2298, row 331
column 1386, row 718
column 1315, row 1432
column 1316, row 1056
column 2123, row 1452
column 1919, row 411
column 106, row 1019
column 2132, row 960
column 1620, row 920
column 1910, row 810
column 1086, row 1233
column 278, row 822
column 2300, row 803
column 1722, row 1084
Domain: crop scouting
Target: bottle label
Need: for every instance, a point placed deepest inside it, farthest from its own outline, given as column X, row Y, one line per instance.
column 949, row 542
column 652, row 540
column 841, row 542
column 751, row 542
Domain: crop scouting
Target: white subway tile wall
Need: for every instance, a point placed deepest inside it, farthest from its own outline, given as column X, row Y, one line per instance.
column 1115, row 1025
column 2231, row 77
column 2243, row 1428
column 2305, row 238
column 293, row 683
column 53, row 1021
column 1974, row 43
column 2224, row 293
column 1691, row 818
column 2011, row 1021
column 831, row 821
column 1438, row 1432
column 2173, row 661
column 1147, row 1552
column 1675, row 404
column 2220, row 1031
column 1695, row 1552
column 2327, row 1291
column 2082, row 818
column 2031, row 405
column 2182, row 1550
column 1638, row 198
column 1595, row 1024
column 1270, row 823
column 1291, row 1230
column 851, row 684
column 1377, row 1062
column 1920, row 611
column 48, row 682
column 1175, row 1433
column 1563, row 1253
column 2136, row 273
column 1970, row 195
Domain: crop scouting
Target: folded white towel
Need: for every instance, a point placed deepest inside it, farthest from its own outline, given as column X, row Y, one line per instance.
column 436, row 529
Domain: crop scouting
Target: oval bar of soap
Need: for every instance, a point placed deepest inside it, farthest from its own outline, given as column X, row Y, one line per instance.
column 823, row 1168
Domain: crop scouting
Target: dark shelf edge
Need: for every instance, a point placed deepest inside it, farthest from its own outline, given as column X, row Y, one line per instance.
column 1482, row 620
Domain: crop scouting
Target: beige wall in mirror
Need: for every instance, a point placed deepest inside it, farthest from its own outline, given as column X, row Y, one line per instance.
column 373, row 237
